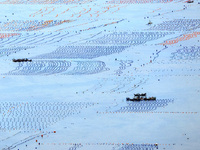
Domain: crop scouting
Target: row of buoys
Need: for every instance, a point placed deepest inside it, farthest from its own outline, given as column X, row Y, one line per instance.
column 181, row 38
column 118, row 144
column 177, row 25
column 162, row 112
column 137, row 1
column 85, row 52
column 33, row 2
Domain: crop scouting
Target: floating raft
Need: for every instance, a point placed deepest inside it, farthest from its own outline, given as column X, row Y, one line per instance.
column 141, row 97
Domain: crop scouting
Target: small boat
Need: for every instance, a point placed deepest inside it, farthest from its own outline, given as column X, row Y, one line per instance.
column 22, row 60
column 190, row 1
column 149, row 23
column 141, row 97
